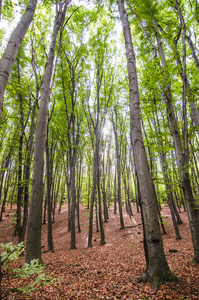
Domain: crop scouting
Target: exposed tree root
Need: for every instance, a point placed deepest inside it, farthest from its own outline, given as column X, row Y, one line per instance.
column 157, row 280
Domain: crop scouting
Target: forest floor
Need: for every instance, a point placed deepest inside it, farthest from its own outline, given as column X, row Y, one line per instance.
column 104, row 272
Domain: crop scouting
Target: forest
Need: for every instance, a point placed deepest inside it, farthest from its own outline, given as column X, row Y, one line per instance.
column 99, row 139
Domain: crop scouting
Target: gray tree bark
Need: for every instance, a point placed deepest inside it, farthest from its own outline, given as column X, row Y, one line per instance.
column 93, row 195
column 27, row 169
column 48, row 198
column 33, row 245
column 157, row 266
column 195, row 58
column 119, row 195
column 10, row 53
column 164, row 166
column 182, row 157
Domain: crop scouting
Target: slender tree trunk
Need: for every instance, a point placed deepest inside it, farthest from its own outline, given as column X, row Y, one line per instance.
column 179, row 221
column 157, row 270
column 5, row 165
column 89, row 183
column 195, row 58
column 105, row 210
column 10, row 53
column 45, row 209
column 73, row 206
column 115, row 192
column 182, row 158
column 164, row 166
column 99, row 193
column 170, row 203
column 33, row 245
column 79, row 173
column 135, row 179
column 119, row 196
column 90, row 233
column 96, row 216
column 6, row 187
column 19, row 188
column 20, row 169
column 62, row 196
column 56, row 194
column 27, row 174
column 68, row 182
column 48, row 198
column 146, row 251
column 128, row 192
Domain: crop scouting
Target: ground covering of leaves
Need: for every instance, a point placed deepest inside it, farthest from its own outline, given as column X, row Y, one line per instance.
column 104, row 272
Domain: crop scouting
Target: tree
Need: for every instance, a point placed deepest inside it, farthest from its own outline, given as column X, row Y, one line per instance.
column 181, row 156
column 10, row 53
column 115, row 120
column 33, row 245
column 157, row 267
column 158, row 34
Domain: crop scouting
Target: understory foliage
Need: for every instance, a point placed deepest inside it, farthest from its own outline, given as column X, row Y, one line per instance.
column 13, row 252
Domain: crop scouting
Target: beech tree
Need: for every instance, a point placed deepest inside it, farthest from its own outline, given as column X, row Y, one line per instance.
column 33, row 244
column 157, row 269
column 10, row 53
column 115, row 119
column 155, row 32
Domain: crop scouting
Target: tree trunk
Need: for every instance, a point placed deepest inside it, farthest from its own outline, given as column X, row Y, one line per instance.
column 99, row 192
column 195, row 58
column 27, row 174
column 20, row 169
column 182, row 159
column 56, row 193
column 115, row 192
column 48, row 198
column 6, row 187
column 10, row 53
column 33, row 245
column 105, row 210
column 73, row 206
column 4, row 165
column 79, row 173
column 119, row 196
column 157, row 270
column 90, row 233
column 164, row 166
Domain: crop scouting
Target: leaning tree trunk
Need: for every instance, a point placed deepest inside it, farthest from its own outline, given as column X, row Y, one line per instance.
column 33, row 245
column 157, row 269
column 9, row 56
column 182, row 157
column 186, row 183
column 195, row 58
